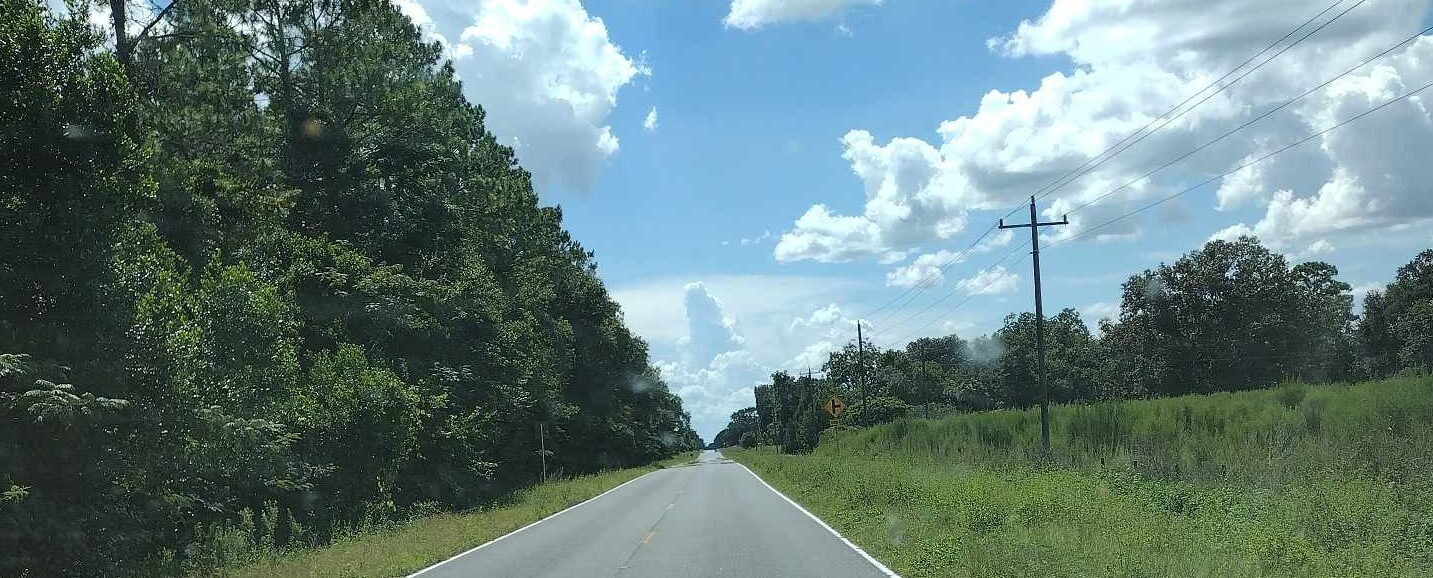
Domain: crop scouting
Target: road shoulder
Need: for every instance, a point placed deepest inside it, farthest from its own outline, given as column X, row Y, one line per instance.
column 422, row 543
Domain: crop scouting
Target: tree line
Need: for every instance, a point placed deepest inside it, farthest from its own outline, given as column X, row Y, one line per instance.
column 1230, row 316
column 265, row 274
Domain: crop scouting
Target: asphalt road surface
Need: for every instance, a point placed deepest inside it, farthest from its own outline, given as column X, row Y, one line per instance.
column 714, row 518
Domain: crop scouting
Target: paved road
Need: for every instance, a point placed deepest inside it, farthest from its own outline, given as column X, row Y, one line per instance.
column 706, row 520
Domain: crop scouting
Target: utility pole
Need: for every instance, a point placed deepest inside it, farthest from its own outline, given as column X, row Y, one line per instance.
column 776, row 420
column 760, row 433
column 542, row 447
column 925, row 386
column 861, row 366
column 1034, row 226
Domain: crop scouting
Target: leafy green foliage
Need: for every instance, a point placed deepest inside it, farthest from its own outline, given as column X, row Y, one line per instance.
column 267, row 274
column 407, row 546
column 363, row 421
column 877, row 410
column 1397, row 330
column 1230, row 316
column 1071, row 360
column 1295, row 481
column 743, row 421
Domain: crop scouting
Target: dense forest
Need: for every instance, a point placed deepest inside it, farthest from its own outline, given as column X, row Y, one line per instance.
column 266, row 274
column 1230, row 316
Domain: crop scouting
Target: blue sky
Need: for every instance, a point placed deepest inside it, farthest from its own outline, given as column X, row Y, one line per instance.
column 810, row 159
column 750, row 124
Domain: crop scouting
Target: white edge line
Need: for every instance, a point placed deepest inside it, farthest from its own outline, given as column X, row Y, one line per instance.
column 852, row 545
column 510, row 534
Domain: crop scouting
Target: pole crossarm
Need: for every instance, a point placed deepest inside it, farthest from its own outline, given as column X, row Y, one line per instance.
column 1062, row 221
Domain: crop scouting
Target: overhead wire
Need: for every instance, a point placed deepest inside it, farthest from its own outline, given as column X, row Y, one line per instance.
column 970, row 293
column 1252, row 121
column 1241, row 166
column 1140, row 135
column 910, row 293
column 1244, row 165
column 932, row 278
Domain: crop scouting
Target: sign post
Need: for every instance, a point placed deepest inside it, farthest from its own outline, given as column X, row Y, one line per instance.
column 835, row 406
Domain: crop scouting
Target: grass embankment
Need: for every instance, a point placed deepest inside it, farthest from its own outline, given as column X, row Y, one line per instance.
column 1293, row 481
column 420, row 543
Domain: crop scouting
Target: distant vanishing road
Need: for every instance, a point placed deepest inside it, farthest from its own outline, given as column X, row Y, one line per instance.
column 710, row 519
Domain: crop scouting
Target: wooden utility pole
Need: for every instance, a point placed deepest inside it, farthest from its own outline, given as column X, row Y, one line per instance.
column 925, row 386
column 861, row 367
column 1034, row 226
column 776, row 420
column 760, row 433
column 542, row 447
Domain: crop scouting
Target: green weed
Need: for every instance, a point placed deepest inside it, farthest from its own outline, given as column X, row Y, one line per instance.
column 1294, row 481
column 406, row 548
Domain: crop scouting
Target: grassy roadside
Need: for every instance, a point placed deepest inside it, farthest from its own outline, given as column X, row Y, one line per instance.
column 1313, row 481
column 420, row 543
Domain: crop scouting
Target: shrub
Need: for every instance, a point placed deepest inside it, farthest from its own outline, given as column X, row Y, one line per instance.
column 878, row 410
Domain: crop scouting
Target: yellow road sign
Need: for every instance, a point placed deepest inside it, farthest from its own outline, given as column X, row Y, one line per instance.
column 835, row 406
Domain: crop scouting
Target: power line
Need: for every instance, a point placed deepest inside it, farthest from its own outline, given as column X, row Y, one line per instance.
column 970, row 294
column 1242, row 166
column 1250, row 122
column 1140, row 134
column 800, row 373
column 1089, row 165
column 930, row 280
column 1100, row 159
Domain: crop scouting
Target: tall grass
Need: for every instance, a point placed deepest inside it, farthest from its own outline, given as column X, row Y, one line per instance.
column 401, row 549
column 1382, row 429
column 1330, row 480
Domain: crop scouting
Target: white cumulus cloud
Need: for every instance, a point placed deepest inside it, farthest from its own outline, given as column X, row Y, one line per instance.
column 757, row 239
column 926, row 270
column 715, row 373
column 1100, row 310
column 1378, row 176
column 905, row 205
column 709, row 331
column 546, row 73
column 715, row 339
column 993, row 281
column 823, row 318
column 415, row 11
column 650, row 123
column 754, row 14
column 1130, row 62
column 716, row 369
column 1316, row 248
